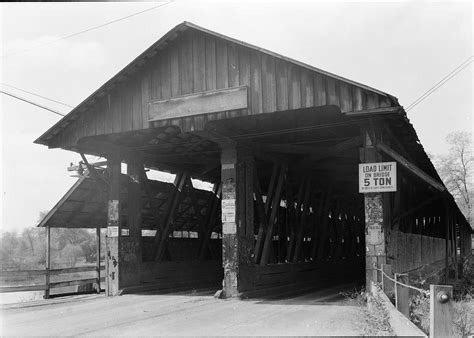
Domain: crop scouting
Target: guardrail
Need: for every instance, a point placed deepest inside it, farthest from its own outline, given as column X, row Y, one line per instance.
column 441, row 300
column 41, row 280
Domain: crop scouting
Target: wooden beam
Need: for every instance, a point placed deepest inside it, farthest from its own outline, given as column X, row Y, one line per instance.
column 410, row 166
column 262, row 216
column 378, row 111
column 353, row 142
column 93, row 170
column 194, row 203
column 199, row 103
column 275, row 206
column 324, row 228
column 211, row 220
column 303, row 220
column 294, row 222
column 418, row 207
column 145, row 183
column 168, row 220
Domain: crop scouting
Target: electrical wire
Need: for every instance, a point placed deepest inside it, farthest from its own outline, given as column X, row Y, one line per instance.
column 441, row 82
column 33, row 103
column 87, row 30
column 43, row 97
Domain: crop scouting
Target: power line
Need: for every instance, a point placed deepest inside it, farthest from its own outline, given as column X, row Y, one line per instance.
column 33, row 103
column 43, row 97
column 88, row 29
column 441, row 82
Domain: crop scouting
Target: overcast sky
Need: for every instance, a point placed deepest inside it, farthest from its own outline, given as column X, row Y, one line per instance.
column 401, row 48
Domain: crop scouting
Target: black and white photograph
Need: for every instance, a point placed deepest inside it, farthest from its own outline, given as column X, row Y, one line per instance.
column 237, row 168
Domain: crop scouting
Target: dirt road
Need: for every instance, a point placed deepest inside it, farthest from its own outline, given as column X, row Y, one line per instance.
column 197, row 313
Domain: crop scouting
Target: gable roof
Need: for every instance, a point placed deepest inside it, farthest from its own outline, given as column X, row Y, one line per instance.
column 144, row 57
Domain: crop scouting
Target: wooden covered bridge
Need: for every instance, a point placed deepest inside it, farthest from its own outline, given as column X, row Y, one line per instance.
column 280, row 143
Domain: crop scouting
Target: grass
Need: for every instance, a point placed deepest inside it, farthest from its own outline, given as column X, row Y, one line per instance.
column 376, row 318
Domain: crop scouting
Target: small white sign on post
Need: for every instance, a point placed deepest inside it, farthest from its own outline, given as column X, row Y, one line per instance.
column 377, row 177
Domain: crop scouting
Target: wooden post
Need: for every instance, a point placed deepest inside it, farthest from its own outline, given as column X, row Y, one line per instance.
column 402, row 301
column 112, row 287
column 237, row 220
column 446, row 249
column 48, row 261
column 387, row 284
column 97, row 231
column 374, row 218
column 130, row 253
column 441, row 311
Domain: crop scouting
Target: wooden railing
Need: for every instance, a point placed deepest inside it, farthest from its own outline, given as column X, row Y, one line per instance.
column 36, row 280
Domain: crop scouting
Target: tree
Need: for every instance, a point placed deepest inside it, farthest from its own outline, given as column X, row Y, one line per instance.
column 456, row 170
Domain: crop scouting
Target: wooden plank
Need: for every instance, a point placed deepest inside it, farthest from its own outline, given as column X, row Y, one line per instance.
column 100, row 120
column 244, row 67
column 125, row 109
column 281, row 68
column 441, row 311
column 174, row 70
column 186, row 64
column 357, row 99
column 256, row 103
column 268, row 84
column 74, row 282
column 5, row 289
column 345, row 97
column 221, row 64
column 145, row 97
column 116, row 118
column 199, row 63
column 332, row 93
column 233, row 65
column 56, row 272
column 319, row 90
column 165, row 72
column 294, row 87
column 136, row 110
column 18, row 274
column 211, row 78
column 108, row 114
column 307, row 90
column 200, row 103
column 410, row 166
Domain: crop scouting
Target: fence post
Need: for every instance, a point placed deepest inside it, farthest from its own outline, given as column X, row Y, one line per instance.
column 48, row 261
column 402, row 295
column 441, row 311
column 387, row 284
column 98, row 258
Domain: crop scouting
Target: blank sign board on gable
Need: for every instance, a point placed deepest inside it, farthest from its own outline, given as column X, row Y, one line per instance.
column 377, row 177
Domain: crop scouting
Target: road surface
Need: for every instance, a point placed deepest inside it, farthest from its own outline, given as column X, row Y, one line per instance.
column 187, row 313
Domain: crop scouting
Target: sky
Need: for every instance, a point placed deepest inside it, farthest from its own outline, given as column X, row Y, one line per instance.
column 402, row 48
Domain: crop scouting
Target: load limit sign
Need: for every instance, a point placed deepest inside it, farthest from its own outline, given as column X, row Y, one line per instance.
column 377, row 177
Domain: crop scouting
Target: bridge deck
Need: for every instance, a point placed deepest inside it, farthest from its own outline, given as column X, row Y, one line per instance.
column 190, row 313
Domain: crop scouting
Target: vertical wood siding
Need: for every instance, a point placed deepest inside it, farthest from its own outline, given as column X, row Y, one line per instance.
column 196, row 62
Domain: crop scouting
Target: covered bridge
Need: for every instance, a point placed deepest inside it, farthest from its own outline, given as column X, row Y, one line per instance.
column 280, row 142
